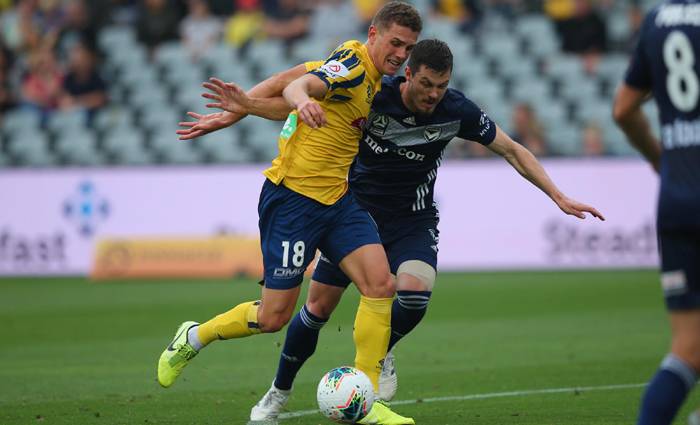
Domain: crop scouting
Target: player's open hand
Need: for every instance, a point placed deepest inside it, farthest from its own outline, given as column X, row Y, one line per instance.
column 205, row 124
column 227, row 96
column 578, row 209
column 312, row 114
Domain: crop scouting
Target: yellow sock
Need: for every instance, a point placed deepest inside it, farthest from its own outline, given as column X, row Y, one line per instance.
column 239, row 322
column 371, row 335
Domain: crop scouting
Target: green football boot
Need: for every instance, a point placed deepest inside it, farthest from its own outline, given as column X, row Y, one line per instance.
column 176, row 356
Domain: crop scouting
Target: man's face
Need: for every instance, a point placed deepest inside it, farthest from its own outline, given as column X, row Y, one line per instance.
column 426, row 88
column 389, row 47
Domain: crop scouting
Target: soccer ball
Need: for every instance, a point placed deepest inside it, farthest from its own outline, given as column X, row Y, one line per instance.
column 345, row 395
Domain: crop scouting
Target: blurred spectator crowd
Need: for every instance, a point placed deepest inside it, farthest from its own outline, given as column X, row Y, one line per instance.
column 104, row 82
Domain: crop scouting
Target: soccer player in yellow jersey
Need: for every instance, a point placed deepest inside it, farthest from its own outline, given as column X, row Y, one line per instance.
column 305, row 205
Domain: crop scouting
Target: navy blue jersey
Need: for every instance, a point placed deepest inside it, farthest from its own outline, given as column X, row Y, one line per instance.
column 667, row 62
column 401, row 151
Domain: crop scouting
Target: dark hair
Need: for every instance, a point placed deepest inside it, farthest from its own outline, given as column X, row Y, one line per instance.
column 400, row 13
column 434, row 54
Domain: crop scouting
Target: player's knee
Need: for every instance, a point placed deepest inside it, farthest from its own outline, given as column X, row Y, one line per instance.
column 415, row 275
column 271, row 323
column 320, row 308
column 687, row 347
column 381, row 286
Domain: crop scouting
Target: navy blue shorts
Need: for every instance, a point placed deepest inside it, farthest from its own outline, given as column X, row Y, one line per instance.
column 680, row 268
column 404, row 238
column 293, row 227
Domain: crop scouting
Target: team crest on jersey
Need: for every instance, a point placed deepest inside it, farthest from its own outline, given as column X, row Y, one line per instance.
column 335, row 69
column 379, row 124
column 431, row 134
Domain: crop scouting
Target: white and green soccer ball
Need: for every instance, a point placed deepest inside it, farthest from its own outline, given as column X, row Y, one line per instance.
column 345, row 395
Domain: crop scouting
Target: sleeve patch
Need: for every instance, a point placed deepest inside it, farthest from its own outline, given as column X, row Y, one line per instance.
column 335, row 69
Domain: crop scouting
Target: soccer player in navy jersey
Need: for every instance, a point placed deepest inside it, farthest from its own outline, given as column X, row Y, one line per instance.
column 411, row 122
column 666, row 66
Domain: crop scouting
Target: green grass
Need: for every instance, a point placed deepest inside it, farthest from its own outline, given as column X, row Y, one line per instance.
column 73, row 352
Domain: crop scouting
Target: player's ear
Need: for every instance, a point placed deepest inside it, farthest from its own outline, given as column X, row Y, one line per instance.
column 409, row 74
column 372, row 34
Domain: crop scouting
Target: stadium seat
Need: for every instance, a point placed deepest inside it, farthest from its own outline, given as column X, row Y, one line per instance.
column 148, row 97
column 551, row 113
column 313, row 49
column 531, row 91
column 113, row 117
column 563, row 139
column 501, row 45
column 137, row 76
column 267, row 53
column 173, row 151
column 596, row 111
column 172, row 54
column 78, row 147
column 615, row 141
column 161, row 119
column 565, row 67
column 516, row 67
column 582, row 89
column 115, row 37
column 19, row 121
column 131, row 56
column 121, row 143
column 30, row 148
column 262, row 137
column 612, row 67
column 535, row 27
column 189, row 75
column 69, row 120
column 442, row 29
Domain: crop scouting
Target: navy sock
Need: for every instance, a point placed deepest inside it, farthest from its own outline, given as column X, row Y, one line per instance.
column 666, row 392
column 299, row 345
column 407, row 311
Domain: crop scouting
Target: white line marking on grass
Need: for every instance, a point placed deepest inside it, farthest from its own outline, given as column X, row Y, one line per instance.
column 299, row 413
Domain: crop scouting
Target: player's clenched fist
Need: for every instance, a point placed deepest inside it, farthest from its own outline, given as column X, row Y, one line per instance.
column 312, row 114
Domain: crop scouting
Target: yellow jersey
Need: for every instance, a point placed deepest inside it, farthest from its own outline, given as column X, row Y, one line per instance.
column 315, row 162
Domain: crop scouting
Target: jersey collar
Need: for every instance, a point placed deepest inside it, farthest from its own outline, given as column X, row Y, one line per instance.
column 370, row 68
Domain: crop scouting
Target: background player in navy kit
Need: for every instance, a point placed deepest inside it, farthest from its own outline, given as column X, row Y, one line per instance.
column 666, row 64
column 411, row 122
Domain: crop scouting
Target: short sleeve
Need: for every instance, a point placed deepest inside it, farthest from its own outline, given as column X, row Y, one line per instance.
column 638, row 73
column 342, row 70
column 475, row 124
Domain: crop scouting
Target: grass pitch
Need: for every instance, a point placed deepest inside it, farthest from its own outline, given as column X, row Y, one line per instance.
column 73, row 352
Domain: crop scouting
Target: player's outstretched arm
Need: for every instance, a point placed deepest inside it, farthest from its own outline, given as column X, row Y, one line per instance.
column 529, row 167
column 206, row 123
column 629, row 116
column 299, row 96
column 231, row 98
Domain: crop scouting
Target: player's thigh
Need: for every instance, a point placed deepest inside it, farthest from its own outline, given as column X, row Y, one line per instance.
column 680, row 269
column 412, row 247
column 680, row 280
column 277, row 307
column 322, row 299
column 367, row 266
column 291, row 226
column 353, row 244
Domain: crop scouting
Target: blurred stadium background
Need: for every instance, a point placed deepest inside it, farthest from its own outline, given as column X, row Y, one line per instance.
column 93, row 182
column 544, row 70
